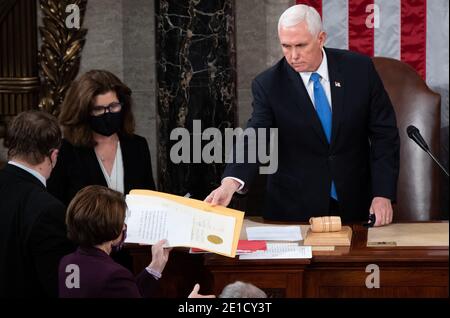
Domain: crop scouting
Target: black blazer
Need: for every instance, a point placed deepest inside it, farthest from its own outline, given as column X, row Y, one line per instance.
column 78, row 167
column 362, row 159
column 32, row 236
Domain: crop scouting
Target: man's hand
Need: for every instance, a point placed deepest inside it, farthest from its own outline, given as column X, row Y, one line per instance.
column 382, row 208
column 194, row 293
column 160, row 256
column 223, row 194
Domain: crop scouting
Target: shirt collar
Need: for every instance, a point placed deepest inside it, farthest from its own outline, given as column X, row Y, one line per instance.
column 322, row 70
column 39, row 176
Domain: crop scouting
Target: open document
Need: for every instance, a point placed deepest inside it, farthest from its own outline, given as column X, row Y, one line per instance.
column 153, row 216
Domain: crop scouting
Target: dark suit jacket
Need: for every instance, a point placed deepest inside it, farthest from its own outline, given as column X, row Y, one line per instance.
column 32, row 236
column 101, row 277
column 362, row 159
column 78, row 167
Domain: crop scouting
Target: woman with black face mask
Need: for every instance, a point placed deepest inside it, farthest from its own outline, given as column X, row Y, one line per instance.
column 99, row 145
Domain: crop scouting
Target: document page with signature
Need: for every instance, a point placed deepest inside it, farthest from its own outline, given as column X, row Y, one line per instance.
column 153, row 216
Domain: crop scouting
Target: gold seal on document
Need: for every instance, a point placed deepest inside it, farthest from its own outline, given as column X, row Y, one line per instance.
column 215, row 239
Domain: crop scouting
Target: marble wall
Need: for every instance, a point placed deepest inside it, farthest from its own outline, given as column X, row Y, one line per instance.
column 104, row 40
column 257, row 45
column 196, row 82
column 139, row 68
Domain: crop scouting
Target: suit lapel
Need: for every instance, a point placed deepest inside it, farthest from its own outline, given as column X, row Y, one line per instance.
column 337, row 86
column 305, row 103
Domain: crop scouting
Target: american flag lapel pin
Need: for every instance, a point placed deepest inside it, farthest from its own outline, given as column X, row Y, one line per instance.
column 337, row 84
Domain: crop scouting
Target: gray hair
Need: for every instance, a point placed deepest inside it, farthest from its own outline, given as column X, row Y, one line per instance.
column 242, row 290
column 299, row 13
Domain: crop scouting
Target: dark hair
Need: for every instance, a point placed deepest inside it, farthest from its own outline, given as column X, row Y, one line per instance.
column 95, row 215
column 32, row 135
column 76, row 108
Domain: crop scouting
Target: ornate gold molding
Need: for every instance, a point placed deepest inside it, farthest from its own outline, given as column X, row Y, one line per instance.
column 60, row 53
column 19, row 79
column 14, row 85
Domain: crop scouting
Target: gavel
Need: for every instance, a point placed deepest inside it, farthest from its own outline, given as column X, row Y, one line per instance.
column 325, row 224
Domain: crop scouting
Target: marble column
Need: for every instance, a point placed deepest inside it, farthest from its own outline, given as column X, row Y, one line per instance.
column 104, row 40
column 196, row 80
column 257, row 45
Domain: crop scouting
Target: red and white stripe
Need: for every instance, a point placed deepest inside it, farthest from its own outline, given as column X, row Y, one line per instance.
column 413, row 31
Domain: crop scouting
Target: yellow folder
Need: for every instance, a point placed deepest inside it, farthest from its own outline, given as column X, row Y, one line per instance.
column 202, row 206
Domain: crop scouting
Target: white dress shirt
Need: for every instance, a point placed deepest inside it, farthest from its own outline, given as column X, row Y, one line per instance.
column 39, row 176
column 115, row 180
column 324, row 80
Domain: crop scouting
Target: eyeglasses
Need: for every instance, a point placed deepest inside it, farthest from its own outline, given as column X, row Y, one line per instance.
column 99, row 110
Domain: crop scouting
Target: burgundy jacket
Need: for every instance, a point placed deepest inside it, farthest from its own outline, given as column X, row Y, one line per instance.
column 101, row 277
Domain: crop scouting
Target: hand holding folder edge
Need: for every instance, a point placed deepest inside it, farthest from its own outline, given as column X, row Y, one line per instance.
column 201, row 206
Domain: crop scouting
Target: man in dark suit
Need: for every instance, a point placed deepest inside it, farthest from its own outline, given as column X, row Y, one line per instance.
column 338, row 141
column 33, row 234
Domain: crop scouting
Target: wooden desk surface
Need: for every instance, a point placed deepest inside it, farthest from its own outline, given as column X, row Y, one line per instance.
column 357, row 252
column 404, row 271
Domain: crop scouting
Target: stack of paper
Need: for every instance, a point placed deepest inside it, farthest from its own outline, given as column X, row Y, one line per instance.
column 280, row 251
column 284, row 242
column 275, row 233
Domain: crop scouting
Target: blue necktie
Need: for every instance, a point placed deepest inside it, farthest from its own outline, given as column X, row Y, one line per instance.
column 323, row 110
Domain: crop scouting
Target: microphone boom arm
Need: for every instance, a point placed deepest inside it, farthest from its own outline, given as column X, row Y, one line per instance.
column 415, row 135
column 437, row 161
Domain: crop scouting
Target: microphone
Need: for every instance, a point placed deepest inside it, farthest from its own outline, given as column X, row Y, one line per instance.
column 415, row 135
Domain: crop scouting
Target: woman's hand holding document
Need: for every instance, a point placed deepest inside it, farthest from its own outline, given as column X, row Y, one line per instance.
column 153, row 216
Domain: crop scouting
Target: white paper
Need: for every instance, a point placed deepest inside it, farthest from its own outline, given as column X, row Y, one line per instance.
column 151, row 219
column 150, row 223
column 280, row 251
column 275, row 233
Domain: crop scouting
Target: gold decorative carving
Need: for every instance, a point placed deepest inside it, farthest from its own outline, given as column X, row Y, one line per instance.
column 60, row 53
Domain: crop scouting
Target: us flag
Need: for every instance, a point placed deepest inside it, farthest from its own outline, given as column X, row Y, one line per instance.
column 413, row 31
